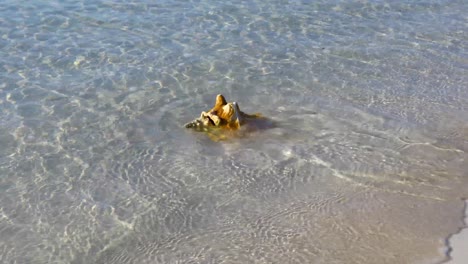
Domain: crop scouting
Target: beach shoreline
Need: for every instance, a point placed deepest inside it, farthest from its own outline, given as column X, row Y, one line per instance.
column 458, row 243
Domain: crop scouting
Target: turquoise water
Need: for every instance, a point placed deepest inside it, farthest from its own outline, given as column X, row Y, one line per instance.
column 367, row 164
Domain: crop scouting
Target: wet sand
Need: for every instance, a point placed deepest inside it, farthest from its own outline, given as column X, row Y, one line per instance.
column 459, row 244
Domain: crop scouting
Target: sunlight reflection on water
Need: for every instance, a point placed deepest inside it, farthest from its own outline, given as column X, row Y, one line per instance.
column 367, row 164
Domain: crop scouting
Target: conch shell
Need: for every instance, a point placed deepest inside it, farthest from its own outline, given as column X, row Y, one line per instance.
column 223, row 115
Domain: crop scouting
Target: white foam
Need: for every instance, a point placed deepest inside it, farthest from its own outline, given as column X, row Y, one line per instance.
column 459, row 244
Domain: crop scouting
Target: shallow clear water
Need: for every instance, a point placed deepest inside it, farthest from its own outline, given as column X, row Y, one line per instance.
column 367, row 164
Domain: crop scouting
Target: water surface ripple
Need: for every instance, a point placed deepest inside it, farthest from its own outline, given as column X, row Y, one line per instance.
column 367, row 163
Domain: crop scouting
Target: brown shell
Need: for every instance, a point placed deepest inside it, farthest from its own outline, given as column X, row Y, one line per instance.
column 223, row 115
